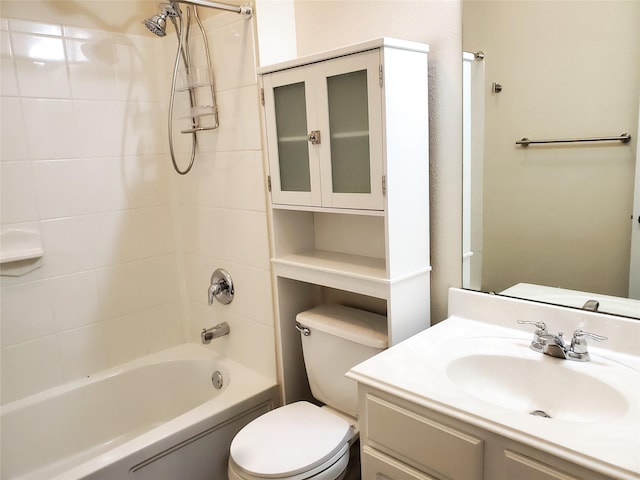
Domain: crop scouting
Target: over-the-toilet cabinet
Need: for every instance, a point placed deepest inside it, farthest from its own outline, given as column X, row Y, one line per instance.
column 347, row 137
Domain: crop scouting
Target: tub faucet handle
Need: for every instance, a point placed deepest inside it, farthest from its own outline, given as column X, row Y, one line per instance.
column 221, row 287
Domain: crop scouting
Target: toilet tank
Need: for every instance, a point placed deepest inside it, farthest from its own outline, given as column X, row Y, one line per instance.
column 339, row 338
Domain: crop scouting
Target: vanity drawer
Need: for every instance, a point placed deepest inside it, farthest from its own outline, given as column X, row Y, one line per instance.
column 423, row 442
column 379, row 466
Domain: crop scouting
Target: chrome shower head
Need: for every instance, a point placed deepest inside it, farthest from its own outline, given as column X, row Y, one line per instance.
column 158, row 23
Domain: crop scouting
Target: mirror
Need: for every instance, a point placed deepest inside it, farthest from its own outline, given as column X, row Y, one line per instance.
column 553, row 222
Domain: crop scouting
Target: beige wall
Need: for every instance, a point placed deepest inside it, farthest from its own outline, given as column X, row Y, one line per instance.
column 322, row 25
column 558, row 215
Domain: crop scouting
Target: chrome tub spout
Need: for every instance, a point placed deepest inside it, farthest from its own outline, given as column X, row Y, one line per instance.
column 216, row 331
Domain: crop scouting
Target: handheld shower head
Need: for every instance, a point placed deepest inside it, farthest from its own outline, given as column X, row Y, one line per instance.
column 158, row 23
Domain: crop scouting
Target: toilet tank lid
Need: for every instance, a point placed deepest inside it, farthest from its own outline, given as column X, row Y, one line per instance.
column 359, row 326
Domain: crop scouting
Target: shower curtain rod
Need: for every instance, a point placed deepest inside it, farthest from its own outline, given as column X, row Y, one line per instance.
column 244, row 9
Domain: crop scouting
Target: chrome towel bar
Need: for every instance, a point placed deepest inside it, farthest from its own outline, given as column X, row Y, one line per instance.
column 623, row 137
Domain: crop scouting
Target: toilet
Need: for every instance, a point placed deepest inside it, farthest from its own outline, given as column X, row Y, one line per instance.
column 301, row 440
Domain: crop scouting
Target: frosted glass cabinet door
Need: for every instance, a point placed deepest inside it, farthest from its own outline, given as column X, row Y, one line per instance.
column 324, row 133
column 295, row 177
column 349, row 104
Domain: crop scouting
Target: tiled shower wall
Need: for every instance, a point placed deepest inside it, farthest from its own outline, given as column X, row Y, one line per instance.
column 82, row 165
column 220, row 206
column 129, row 245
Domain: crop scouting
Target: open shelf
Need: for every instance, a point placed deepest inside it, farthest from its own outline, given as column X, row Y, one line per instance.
column 364, row 275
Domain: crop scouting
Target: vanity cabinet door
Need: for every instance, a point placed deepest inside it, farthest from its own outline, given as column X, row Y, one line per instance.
column 378, row 466
column 525, row 468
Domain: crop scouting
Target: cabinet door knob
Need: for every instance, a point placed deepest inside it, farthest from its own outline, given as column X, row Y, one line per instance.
column 314, row 137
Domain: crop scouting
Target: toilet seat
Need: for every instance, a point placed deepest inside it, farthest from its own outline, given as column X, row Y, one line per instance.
column 292, row 442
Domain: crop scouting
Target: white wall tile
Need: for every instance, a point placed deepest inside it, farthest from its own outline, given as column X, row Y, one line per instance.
column 154, row 231
column 30, row 367
column 107, row 182
column 17, row 194
column 160, row 281
column 165, row 329
column 83, row 351
column 113, row 238
column 232, row 180
column 41, row 66
column 67, row 245
column 50, row 128
column 75, row 300
column 197, row 273
column 8, row 78
column 119, row 289
column 144, row 129
column 26, row 313
column 12, row 130
column 18, row 25
column 232, row 52
column 127, row 338
column 99, row 127
column 64, row 188
column 137, row 77
column 250, row 245
column 87, row 34
column 146, row 180
column 91, row 69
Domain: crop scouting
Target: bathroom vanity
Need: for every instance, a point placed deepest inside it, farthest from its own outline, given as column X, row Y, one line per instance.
column 468, row 399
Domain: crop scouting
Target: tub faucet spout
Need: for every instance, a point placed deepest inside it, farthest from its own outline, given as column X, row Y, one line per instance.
column 216, row 331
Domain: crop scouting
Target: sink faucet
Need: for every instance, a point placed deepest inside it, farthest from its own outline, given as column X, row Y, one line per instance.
column 555, row 346
column 216, row 331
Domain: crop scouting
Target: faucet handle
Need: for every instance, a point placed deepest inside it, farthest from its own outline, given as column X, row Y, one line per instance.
column 541, row 326
column 578, row 349
column 537, row 343
column 581, row 333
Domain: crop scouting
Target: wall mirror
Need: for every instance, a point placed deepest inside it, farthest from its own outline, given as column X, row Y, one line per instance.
column 553, row 222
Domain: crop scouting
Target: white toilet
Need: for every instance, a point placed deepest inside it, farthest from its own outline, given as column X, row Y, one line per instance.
column 301, row 440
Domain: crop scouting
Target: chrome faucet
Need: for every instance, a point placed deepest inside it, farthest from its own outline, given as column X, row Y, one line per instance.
column 216, row 331
column 221, row 287
column 555, row 346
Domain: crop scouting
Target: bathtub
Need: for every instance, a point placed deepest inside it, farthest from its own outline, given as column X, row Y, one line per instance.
column 155, row 418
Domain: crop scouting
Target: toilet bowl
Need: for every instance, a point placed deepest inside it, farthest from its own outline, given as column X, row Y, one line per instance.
column 302, row 441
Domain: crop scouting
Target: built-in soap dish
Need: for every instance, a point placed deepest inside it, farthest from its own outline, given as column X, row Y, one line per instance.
column 20, row 252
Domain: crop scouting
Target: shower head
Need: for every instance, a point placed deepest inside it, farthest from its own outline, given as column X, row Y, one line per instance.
column 158, row 23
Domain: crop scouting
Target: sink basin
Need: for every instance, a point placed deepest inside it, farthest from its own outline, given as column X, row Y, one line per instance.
column 544, row 386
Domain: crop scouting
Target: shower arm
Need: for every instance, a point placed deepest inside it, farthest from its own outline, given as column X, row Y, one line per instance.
column 244, row 9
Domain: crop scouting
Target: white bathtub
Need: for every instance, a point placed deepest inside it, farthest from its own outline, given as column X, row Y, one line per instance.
column 156, row 418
